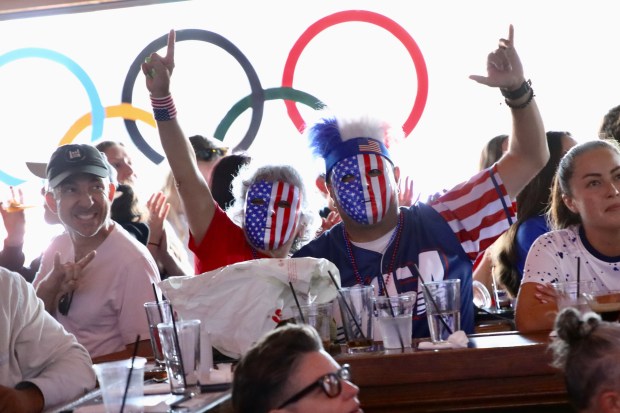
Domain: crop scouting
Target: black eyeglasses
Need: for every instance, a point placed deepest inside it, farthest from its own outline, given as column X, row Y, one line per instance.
column 329, row 383
column 65, row 303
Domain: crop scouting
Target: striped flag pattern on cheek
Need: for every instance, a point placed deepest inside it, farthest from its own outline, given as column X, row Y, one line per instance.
column 282, row 223
column 377, row 194
column 257, row 213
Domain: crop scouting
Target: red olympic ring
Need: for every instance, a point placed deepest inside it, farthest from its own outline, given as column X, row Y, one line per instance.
column 367, row 17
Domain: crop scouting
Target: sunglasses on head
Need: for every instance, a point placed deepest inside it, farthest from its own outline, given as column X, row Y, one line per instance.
column 65, row 303
column 208, row 154
column 329, row 383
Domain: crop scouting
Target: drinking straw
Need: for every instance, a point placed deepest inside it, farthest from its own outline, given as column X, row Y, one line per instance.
column 301, row 314
column 178, row 346
column 578, row 275
column 133, row 358
column 161, row 315
column 387, row 295
column 430, row 296
column 346, row 305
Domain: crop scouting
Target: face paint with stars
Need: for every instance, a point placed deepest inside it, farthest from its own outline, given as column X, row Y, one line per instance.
column 362, row 187
column 271, row 213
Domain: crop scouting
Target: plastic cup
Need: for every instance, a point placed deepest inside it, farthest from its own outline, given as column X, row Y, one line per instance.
column 443, row 308
column 571, row 294
column 394, row 319
column 156, row 313
column 112, row 377
column 319, row 316
column 356, row 309
column 182, row 360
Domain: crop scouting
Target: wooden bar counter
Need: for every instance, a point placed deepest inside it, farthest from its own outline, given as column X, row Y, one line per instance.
column 499, row 372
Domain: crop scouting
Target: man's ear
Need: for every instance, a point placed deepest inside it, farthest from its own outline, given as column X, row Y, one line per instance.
column 396, row 174
column 321, row 184
column 608, row 401
column 51, row 202
column 112, row 192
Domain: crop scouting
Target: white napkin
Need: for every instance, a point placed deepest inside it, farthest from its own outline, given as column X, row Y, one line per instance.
column 457, row 339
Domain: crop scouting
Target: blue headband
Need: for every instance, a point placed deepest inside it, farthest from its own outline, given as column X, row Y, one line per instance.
column 352, row 147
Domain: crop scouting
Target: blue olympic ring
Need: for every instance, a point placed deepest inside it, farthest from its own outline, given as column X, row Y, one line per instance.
column 97, row 109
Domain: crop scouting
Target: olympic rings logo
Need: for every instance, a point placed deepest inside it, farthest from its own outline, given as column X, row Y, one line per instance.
column 291, row 96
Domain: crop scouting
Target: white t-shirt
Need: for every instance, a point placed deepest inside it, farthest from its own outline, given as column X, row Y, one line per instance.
column 553, row 258
column 36, row 348
column 107, row 311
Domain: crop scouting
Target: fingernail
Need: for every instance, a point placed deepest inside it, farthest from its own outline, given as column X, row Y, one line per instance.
column 147, row 59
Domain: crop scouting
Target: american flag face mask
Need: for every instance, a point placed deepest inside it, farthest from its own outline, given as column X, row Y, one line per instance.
column 362, row 187
column 271, row 213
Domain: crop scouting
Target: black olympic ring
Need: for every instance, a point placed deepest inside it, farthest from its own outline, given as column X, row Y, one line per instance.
column 257, row 95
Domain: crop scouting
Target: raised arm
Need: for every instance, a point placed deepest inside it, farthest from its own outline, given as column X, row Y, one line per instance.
column 194, row 191
column 527, row 147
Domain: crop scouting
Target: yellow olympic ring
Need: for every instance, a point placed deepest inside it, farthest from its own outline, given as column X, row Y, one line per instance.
column 124, row 110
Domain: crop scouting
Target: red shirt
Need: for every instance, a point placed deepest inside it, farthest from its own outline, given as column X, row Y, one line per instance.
column 223, row 244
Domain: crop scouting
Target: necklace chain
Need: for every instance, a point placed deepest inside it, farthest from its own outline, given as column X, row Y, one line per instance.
column 395, row 237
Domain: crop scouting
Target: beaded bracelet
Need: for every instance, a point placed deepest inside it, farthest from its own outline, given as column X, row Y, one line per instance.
column 517, row 93
column 163, row 108
column 522, row 105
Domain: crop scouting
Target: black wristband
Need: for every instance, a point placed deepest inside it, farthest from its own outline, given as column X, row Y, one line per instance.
column 517, row 93
column 522, row 105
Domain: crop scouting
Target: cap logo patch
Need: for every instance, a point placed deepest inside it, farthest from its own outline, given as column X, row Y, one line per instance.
column 75, row 155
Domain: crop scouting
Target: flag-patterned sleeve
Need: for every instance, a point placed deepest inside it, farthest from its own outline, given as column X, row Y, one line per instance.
column 478, row 210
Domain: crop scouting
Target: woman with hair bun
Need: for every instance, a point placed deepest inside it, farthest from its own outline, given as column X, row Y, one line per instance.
column 587, row 350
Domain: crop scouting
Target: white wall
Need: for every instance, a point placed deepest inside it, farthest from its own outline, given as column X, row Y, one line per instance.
column 568, row 49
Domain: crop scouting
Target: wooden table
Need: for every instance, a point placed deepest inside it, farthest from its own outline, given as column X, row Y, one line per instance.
column 503, row 372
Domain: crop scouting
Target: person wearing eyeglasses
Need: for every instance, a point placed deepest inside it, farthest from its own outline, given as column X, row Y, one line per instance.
column 288, row 370
column 275, row 212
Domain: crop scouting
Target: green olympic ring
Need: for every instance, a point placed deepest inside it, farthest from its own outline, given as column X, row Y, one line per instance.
column 284, row 93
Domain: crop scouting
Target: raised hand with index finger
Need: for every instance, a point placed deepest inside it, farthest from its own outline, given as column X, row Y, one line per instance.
column 504, row 68
column 158, row 69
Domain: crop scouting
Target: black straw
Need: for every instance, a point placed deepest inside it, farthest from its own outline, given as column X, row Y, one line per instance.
column 133, row 358
column 346, row 305
column 387, row 295
column 178, row 346
column 301, row 314
column 430, row 296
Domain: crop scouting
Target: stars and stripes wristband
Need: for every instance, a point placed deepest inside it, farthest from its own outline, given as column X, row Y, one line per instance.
column 163, row 108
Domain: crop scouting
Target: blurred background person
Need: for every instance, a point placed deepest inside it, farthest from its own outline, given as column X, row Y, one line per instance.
column 587, row 350
column 532, row 203
column 143, row 220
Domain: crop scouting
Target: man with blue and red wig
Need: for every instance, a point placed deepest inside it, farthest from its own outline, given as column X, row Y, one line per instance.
column 389, row 246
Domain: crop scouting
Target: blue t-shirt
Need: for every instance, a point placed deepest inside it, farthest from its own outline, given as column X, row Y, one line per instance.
column 426, row 240
column 528, row 231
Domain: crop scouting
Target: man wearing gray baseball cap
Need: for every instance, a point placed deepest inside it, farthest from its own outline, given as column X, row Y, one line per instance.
column 95, row 277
